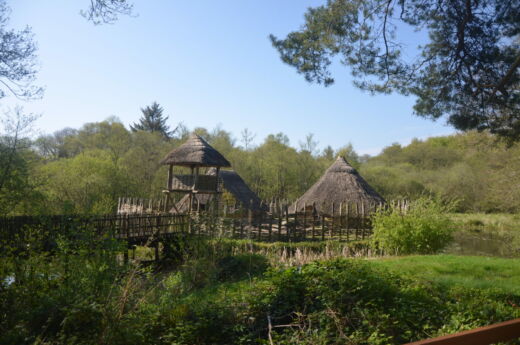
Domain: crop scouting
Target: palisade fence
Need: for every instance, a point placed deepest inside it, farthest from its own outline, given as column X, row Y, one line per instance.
column 139, row 221
column 273, row 220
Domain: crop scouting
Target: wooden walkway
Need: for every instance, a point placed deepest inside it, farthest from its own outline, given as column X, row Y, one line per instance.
column 142, row 221
column 139, row 228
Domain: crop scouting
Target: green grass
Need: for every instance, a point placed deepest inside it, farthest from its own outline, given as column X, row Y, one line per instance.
column 467, row 271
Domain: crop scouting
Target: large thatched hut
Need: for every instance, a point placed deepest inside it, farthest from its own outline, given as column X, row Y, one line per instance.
column 195, row 152
column 234, row 185
column 339, row 184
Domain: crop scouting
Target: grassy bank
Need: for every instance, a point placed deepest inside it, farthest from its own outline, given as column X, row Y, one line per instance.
column 464, row 271
column 498, row 222
column 220, row 296
column 223, row 291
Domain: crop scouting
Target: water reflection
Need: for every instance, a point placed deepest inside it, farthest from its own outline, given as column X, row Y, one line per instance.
column 482, row 243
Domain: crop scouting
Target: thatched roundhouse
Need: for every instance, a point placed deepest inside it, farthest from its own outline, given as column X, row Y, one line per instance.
column 339, row 184
column 232, row 183
column 195, row 152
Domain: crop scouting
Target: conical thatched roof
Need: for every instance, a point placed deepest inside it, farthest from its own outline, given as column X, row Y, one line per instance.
column 340, row 183
column 196, row 152
column 234, row 184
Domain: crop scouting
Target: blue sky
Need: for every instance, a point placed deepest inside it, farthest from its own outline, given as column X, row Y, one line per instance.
column 207, row 63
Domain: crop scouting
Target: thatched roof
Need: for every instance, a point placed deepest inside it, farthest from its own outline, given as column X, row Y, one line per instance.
column 340, row 183
column 196, row 152
column 234, row 184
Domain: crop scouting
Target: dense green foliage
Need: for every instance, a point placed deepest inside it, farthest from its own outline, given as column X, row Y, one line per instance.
column 212, row 296
column 425, row 228
column 86, row 170
column 464, row 64
column 475, row 169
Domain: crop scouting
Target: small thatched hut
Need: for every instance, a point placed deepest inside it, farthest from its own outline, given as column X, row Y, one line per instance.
column 339, row 184
column 232, row 183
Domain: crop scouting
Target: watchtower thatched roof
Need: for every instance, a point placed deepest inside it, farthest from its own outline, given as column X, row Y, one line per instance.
column 234, row 184
column 340, row 183
column 196, row 152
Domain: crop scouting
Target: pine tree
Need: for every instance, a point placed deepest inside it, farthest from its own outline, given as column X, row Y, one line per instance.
column 153, row 120
column 466, row 66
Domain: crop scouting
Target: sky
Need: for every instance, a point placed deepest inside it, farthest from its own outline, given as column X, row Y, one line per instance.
column 207, row 63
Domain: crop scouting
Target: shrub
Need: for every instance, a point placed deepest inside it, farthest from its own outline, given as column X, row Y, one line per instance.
column 425, row 228
column 241, row 266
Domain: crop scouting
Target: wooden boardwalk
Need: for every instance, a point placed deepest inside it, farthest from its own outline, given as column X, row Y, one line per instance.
column 141, row 228
column 142, row 223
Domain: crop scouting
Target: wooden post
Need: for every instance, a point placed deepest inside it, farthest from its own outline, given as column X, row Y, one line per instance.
column 347, row 224
column 279, row 211
column 270, row 226
column 286, row 209
column 340, row 220
column 295, row 227
column 224, row 214
column 233, row 220
column 250, row 213
column 170, row 177
column 259, row 221
column 217, row 194
column 242, row 221
column 322, row 221
column 169, row 185
column 363, row 221
column 195, row 177
column 332, row 222
column 249, row 220
column 358, row 220
column 304, row 220
column 313, row 220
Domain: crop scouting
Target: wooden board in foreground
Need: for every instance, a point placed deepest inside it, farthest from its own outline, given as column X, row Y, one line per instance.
column 487, row 335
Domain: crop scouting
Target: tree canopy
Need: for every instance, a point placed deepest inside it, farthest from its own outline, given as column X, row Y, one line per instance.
column 85, row 170
column 467, row 70
column 18, row 57
column 106, row 11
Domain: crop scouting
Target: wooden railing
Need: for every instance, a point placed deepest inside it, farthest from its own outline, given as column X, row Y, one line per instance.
column 240, row 224
column 499, row 332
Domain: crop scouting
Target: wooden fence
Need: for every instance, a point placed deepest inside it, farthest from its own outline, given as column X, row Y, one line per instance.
column 127, row 205
column 275, row 222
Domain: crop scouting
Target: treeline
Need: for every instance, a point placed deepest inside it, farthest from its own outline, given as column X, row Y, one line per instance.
column 85, row 170
column 479, row 171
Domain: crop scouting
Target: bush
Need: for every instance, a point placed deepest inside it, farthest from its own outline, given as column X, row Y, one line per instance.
column 347, row 301
column 241, row 266
column 425, row 228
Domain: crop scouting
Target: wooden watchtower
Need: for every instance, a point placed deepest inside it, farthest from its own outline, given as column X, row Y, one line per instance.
column 195, row 153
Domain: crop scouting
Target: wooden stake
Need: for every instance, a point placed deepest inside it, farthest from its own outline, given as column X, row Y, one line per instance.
column 313, row 220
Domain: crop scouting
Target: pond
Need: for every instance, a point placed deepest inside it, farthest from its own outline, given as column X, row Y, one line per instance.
column 476, row 242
